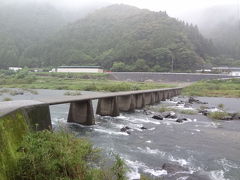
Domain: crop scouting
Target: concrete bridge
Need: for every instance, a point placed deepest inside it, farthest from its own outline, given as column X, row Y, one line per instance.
column 81, row 109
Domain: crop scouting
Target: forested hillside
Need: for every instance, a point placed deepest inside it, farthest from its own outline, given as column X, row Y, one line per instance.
column 24, row 26
column 118, row 37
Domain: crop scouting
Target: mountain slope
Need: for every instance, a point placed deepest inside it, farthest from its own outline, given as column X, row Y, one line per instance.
column 23, row 26
column 135, row 39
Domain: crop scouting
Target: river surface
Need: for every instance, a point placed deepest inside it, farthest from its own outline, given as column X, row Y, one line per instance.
column 205, row 147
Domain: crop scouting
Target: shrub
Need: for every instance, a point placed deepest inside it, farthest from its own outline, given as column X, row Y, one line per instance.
column 218, row 115
column 7, row 99
column 49, row 155
column 190, row 112
column 119, row 168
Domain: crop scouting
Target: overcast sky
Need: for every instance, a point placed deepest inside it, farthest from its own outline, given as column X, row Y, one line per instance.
column 173, row 7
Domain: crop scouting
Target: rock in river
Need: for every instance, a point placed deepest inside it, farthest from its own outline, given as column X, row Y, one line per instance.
column 158, row 116
column 124, row 129
column 170, row 114
column 173, row 168
column 181, row 120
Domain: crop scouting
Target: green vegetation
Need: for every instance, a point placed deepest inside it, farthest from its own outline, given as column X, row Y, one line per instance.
column 12, row 130
column 215, row 88
column 221, row 106
column 169, row 108
column 59, row 155
column 218, row 115
column 72, row 81
column 72, row 93
column 7, row 99
column 189, row 112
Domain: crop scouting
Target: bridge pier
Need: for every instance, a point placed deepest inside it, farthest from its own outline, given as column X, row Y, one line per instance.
column 108, row 107
column 161, row 96
column 127, row 103
column 81, row 112
column 167, row 95
column 140, row 101
column 38, row 117
column 148, row 98
column 157, row 98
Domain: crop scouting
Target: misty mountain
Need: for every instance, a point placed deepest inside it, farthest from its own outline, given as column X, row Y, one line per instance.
column 23, row 26
column 222, row 25
column 123, row 37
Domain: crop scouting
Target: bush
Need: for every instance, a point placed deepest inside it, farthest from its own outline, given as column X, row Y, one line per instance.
column 49, row 155
column 218, row 115
column 7, row 99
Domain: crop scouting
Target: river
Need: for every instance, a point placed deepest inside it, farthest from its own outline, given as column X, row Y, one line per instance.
column 203, row 146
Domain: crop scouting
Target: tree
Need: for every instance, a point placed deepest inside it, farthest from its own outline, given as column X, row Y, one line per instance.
column 118, row 67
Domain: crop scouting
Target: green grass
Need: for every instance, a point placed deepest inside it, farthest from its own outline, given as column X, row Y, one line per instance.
column 60, row 155
column 7, row 99
column 13, row 128
column 218, row 115
column 94, row 82
column 189, row 112
column 214, row 88
column 166, row 109
column 72, row 93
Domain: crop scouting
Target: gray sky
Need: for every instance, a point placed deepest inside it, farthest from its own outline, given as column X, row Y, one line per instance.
column 173, row 7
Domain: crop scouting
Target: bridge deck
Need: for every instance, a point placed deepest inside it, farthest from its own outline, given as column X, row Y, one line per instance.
column 69, row 99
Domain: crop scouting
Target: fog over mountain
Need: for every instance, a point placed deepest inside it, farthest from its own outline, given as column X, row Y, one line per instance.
column 222, row 25
column 27, row 26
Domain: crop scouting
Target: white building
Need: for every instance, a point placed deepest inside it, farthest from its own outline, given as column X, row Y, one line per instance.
column 233, row 71
column 15, row 68
column 80, row 69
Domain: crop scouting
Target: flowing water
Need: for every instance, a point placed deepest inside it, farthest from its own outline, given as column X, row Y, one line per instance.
column 203, row 146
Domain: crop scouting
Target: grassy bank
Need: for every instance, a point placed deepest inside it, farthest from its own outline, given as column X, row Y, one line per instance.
column 71, row 81
column 60, row 155
column 214, row 88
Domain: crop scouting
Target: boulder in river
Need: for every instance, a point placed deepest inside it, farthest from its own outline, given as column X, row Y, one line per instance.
column 205, row 112
column 227, row 118
column 173, row 168
column 180, row 102
column 128, row 132
column 181, row 120
column 143, row 128
column 235, row 116
column 147, row 112
column 192, row 100
column 124, row 129
column 158, row 116
column 169, row 114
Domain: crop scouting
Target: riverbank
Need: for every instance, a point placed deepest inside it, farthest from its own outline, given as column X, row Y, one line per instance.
column 214, row 88
column 72, row 81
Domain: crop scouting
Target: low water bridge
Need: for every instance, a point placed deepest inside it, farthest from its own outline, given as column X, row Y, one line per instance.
column 81, row 109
